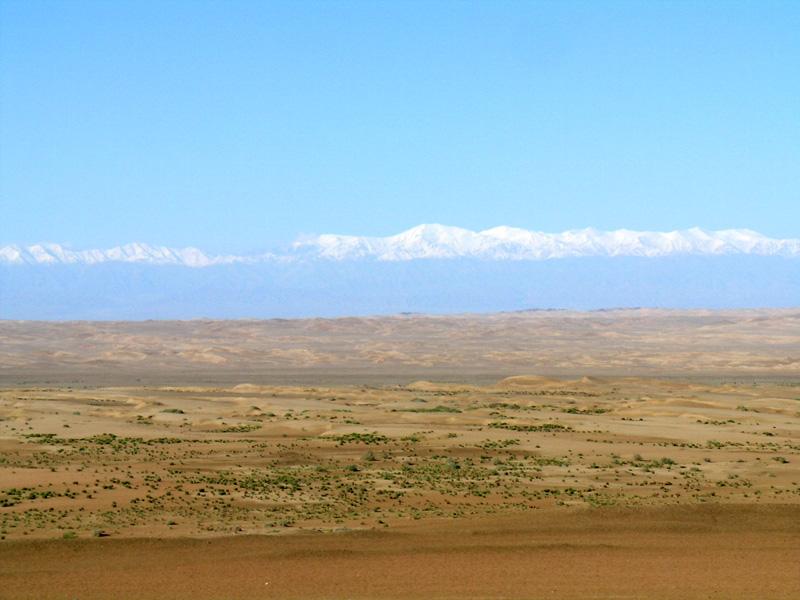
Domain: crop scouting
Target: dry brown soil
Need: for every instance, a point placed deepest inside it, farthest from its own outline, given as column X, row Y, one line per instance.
column 724, row 552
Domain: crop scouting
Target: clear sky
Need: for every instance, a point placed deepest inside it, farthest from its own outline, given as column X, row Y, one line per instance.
column 236, row 126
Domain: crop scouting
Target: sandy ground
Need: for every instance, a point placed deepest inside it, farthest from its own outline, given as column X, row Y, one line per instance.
column 687, row 552
column 378, row 350
column 169, row 461
column 527, row 486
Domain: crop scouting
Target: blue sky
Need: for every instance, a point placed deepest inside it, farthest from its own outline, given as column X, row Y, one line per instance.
column 236, row 126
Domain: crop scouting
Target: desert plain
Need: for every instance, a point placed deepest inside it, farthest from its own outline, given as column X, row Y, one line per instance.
column 612, row 454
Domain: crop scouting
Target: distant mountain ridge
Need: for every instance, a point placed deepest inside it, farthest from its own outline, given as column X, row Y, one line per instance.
column 56, row 254
column 435, row 242
column 510, row 243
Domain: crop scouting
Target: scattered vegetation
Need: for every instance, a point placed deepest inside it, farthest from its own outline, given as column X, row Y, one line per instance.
column 189, row 477
column 361, row 438
column 547, row 427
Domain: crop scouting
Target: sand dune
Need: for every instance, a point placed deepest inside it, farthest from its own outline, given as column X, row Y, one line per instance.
column 466, row 348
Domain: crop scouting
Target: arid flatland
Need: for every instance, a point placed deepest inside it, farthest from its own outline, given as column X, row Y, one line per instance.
column 525, row 486
column 200, row 461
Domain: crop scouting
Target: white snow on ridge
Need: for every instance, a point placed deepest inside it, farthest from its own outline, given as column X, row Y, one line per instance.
column 437, row 242
column 44, row 254
column 509, row 243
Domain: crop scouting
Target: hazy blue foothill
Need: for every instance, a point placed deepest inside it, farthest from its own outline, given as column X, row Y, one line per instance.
column 336, row 288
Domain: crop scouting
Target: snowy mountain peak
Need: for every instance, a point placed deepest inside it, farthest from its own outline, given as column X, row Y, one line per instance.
column 434, row 241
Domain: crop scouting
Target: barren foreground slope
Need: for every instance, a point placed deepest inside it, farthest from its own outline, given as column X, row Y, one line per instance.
column 711, row 551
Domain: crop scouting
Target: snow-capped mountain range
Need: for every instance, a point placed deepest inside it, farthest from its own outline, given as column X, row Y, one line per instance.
column 436, row 242
column 510, row 243
column 55, row 254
